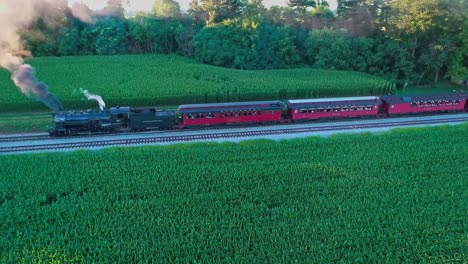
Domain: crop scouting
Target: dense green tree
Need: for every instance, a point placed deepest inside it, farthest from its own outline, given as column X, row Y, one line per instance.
column 138, row 35
column 196, row 12
column 166, row 9
column 376, row 8
column 301, row 6
column 429, row 30
column 240, row 47
column 253, row 12
column 148, row 34
column 391, row 61
column 226, row 45
column 276, row 48
column 219, row 10
column 457, row 31
column 70, row 42
column 184, row 33
column 110, row 37
column 413, row 18
column 328, row 49
column 406, row 41
column 317, row 18
column 458, row 60
column 323, row 10
column 281, row 16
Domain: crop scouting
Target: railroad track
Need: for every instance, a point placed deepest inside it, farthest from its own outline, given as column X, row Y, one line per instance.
column 217, row 135
column 23, row 138
column 45, row 136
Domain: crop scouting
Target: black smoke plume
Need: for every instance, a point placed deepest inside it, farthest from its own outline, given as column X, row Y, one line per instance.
column 25, row 79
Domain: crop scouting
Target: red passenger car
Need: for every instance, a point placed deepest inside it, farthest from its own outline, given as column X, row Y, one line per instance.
column 309, row 109
column 398, row 105
column 230, row 113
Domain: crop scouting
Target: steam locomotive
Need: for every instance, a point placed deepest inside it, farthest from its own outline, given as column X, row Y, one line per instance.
column 128, row 119
column 117, row 119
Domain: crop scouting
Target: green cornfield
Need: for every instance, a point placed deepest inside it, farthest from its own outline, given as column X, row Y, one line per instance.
column 398, row 197
column 162, row 80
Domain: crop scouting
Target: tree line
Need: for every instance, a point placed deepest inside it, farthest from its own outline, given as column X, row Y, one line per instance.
column 409, row 42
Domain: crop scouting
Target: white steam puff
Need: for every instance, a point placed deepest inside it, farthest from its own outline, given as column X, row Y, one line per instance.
column 96, row 97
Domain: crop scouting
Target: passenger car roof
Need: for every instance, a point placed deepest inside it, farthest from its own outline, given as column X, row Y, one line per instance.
column 341, row 101
column 411, row 98
column 235, row 106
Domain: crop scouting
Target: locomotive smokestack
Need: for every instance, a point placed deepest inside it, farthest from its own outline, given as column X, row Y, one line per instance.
column 26, row 80
column 96, row 97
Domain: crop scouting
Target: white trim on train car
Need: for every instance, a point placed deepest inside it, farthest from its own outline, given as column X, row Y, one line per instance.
column 338, row 99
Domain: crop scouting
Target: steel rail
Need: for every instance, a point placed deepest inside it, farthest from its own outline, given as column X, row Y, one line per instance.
column 23, row 138
column 217, row 136
column 19, row 138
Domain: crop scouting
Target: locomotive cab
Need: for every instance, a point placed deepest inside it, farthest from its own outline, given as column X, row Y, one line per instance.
column 120, row 116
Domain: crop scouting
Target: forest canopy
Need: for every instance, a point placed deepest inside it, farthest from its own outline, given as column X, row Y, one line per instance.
column 409, row 42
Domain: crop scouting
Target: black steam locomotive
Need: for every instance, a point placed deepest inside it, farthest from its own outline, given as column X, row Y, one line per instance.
column 116, row 119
